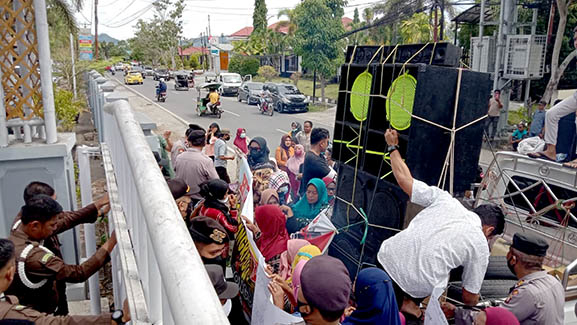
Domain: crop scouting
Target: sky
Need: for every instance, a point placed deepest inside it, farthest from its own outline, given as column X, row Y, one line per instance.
column 117, row 18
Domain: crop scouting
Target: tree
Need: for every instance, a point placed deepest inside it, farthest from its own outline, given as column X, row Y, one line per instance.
column 416, row 29
column 317, row 38
column 259, row 21
column 244, row 65
column 557, row 69
column 267, row 72
column 61, row 11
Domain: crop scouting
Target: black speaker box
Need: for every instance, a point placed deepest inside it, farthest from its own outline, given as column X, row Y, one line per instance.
column 384, row 204
column 443, row 54
column 566, row 136
column 423, row 145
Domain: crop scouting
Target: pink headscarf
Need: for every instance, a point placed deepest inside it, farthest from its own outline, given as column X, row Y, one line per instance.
column 500, row 316
column 240, row 142
column 287, row 258
column 296, row 278
column 294, row 163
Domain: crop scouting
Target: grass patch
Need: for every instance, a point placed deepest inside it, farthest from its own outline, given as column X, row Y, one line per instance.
column 306, row 87
column 317, row 107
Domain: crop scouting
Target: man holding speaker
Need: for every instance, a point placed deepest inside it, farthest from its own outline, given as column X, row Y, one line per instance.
column 443, row 236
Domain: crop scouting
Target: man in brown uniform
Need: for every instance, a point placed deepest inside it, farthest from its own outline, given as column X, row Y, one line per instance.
column 10, row 309
column 66, row 220
column 38, row 268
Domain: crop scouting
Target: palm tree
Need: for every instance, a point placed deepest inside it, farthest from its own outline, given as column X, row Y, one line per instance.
column 290, row 14
column 61, row 12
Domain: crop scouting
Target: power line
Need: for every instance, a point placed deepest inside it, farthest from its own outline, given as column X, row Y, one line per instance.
column 130, row 18
column 111, row 20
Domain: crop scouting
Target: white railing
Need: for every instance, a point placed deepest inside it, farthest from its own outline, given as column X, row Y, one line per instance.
column 156, row 265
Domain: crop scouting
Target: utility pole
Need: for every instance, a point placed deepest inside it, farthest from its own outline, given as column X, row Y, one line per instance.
column 436, row 25
column 73, row 65
column 95, row 29
column 209, row 32
column 441, row 31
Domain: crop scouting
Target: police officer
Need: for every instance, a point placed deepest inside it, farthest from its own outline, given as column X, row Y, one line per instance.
column 10, row 309
column 39, row 268
column 66, row 220
column 538, row 297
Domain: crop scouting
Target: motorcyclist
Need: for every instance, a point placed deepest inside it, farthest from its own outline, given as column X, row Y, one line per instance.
column 213, row 98
column 264, row 96
column 161, row 87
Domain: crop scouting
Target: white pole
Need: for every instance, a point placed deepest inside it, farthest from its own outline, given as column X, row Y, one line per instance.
column 84, row 178
column 45, row 70
column 3, row 129
column 73, row 65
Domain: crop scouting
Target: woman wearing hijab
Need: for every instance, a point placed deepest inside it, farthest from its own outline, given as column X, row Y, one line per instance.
column 295, row 129
column 271, row 235
column 240, row 140
column 213, row 129
column 293, row 166
column 375, row 298
column 305, row 253
column 287, row 257
column 284, row 151
column 258, row 155
column 331, row 185
column 216, row 206
column 309, row 206
column 269, row 197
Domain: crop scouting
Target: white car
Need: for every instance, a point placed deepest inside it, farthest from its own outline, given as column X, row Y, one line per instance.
column 231, row 82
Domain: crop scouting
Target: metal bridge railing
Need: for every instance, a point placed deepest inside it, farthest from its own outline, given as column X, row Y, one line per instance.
column 156, row 265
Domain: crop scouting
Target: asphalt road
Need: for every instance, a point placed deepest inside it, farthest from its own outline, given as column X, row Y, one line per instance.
column 236, row 115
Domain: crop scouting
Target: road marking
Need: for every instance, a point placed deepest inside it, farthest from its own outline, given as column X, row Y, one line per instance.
column 180, row 119
column 229, row 112
column 283, row 132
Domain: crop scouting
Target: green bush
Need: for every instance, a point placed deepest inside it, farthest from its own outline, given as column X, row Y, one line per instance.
column 244, row 65
column 67, row 108
column 193, row 62
column 267, row 72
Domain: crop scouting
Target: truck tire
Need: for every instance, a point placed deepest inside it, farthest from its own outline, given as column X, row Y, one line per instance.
column 498, row 269
column 490, row 290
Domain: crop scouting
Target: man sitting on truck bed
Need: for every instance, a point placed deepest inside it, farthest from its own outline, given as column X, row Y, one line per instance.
column 442, row 237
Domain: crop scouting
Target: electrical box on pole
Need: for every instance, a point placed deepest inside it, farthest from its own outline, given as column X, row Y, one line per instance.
column 483, row 56
column 525, row 57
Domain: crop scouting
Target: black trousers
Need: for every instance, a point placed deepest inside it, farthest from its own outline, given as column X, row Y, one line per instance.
column 222, row 174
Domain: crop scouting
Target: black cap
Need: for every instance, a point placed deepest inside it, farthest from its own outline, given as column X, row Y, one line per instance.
column 326, row 284
column 530, row 244
column 207, row 230
column 159, row 160
column 224, row 289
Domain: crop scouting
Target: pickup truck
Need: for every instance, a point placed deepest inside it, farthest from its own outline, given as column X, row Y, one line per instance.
column 539, row 197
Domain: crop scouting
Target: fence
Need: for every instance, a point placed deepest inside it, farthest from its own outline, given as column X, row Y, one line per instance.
column 156, row 265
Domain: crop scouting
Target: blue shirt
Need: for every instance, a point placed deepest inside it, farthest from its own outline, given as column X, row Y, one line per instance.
column 537, row 123
column 518, row 135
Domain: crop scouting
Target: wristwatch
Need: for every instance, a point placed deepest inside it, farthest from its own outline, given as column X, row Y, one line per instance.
column 392, row 148
column 117, row 316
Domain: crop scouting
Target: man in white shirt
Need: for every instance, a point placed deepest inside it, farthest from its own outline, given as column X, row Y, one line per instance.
column 442, row 237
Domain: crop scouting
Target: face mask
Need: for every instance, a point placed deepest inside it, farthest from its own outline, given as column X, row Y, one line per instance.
column 254, row 152
column 243, row 135
column 224, row 201
column 511, row 266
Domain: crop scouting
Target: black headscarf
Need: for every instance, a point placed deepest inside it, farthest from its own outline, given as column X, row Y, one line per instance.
column 214, row 190
column 258, row 157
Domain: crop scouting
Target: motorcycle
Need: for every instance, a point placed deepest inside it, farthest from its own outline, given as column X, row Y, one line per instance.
column 160, row 95
column 266, row 106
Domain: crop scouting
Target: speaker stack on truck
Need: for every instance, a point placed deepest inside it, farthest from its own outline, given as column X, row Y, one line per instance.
column 379, row 89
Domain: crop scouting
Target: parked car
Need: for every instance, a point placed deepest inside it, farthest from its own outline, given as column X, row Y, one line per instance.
column 149, row 71
column 231, row 82
column 161, row 73
column 287, row 98
column 210, row 77
column 119, row 66
column 250, row 92
column 133, row 77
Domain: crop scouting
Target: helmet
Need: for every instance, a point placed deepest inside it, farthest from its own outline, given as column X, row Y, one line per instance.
column 161, row 80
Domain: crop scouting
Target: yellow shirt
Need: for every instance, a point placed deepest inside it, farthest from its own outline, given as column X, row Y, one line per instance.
column 213, row 97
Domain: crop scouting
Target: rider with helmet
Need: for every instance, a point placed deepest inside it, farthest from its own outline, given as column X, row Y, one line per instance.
column 161, row 87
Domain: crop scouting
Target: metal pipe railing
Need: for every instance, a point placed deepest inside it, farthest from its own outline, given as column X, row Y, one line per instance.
column 3, row 128
column 170, row 268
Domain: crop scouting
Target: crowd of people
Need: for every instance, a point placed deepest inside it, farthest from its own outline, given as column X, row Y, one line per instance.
column 290, row 189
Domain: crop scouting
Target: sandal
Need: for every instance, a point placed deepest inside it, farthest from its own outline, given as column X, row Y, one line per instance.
column 540, row 155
